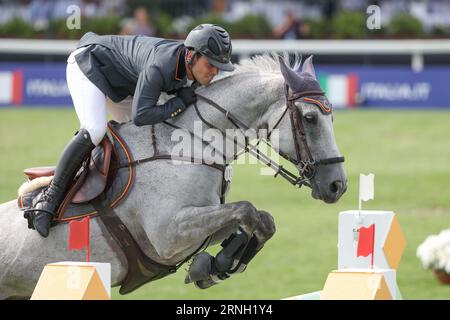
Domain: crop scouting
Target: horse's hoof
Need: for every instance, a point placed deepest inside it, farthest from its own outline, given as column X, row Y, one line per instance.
column 200, row 268
column 204, row 284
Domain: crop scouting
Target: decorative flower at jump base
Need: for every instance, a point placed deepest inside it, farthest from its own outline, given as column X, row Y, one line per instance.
column 434, row 254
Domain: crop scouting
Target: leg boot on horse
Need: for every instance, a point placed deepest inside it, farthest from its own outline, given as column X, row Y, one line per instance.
column 47, row 205
column 206, row 271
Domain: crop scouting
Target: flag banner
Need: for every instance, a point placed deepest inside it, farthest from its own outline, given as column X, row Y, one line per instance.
column 366, row 241
column 79, row 234
column 366, row 186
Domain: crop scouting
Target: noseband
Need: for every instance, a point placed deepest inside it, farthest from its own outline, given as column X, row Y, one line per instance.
column 307, row 166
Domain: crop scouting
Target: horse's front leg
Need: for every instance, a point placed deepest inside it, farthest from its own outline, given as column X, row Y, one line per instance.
column 245, row 228
column 188, row 228
column 238, row 249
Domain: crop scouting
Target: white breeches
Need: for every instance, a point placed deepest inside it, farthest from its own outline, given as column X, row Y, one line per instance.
column 91, row 104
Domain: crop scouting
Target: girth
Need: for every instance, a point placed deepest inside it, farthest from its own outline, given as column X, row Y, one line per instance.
column 141, row 269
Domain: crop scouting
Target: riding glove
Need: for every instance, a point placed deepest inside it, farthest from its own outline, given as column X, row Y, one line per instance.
column 187, row 94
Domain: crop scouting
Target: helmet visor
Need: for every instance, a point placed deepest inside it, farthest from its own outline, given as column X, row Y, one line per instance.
column 221, row 66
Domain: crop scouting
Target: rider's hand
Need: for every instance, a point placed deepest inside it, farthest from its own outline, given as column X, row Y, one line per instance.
column 187, row 94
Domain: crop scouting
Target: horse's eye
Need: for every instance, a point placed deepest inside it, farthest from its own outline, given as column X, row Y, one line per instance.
column 311, row 118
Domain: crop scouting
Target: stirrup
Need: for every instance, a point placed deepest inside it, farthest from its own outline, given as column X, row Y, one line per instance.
column 30, row 214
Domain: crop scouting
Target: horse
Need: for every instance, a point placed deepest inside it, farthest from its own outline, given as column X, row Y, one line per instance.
column 175, row 207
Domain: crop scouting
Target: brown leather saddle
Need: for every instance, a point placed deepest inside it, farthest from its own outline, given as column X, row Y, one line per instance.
column 91, row 179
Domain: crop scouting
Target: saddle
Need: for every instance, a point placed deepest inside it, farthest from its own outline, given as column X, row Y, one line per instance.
column 91, row 179
column 98, row 176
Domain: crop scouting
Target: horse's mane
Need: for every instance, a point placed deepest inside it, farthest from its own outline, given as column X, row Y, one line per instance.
column 264, row 63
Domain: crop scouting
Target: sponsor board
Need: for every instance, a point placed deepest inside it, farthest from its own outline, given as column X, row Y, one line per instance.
column 34, row 84
column 385, row 86
column 44, row 84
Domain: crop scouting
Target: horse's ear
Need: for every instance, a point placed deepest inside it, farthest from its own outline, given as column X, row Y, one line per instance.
column 298, row 65
column 308, row 67
column 290, row 76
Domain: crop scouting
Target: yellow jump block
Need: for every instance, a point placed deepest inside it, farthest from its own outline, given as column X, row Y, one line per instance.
column 74, row 281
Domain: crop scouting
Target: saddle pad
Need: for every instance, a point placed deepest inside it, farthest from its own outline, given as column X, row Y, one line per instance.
column 116, row 192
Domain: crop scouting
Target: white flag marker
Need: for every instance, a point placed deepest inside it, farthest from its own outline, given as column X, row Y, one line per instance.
column 365, row 188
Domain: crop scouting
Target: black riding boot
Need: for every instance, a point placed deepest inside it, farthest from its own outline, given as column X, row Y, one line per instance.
column 69, row 164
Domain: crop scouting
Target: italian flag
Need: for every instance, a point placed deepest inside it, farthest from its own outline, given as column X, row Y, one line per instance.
column 11, row 83
column 341, row 89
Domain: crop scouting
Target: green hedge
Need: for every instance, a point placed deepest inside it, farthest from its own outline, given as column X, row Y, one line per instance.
column 163, row 25
column 253, row 26
column 214, row 19
column 319, row 28
column 405, row 25
column 349, row 25
column 441, row 31
column 345, row 25
column 17, row 28
column 250, row 26
column 352, row 25
column 101, row 25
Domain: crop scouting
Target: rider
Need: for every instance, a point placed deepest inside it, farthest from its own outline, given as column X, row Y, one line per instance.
column 120, row 66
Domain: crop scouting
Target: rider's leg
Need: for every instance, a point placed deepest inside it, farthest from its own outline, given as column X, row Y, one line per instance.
column 90, row 105
column 120, row 111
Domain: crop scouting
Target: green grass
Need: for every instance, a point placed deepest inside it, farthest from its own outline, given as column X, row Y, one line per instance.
column 408, row 151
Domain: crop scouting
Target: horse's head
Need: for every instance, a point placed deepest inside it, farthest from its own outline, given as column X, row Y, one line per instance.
column 306, row 136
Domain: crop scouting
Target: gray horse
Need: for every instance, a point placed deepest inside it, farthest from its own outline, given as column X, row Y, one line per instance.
column 175, row 205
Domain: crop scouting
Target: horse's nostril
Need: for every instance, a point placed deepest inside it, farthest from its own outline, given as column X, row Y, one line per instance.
column 335, row 186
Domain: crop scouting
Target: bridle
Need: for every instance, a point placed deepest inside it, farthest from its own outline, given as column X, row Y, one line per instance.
column 308, row 166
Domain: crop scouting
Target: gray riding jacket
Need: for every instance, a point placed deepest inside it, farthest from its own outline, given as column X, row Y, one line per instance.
column 139, row 66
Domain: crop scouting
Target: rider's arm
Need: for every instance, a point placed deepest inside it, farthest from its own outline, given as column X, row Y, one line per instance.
column 148, row 89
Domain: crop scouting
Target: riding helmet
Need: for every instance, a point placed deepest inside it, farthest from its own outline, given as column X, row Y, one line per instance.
column 214, row 43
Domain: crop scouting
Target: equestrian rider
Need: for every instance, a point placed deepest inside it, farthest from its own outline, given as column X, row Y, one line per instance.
column 120, row 66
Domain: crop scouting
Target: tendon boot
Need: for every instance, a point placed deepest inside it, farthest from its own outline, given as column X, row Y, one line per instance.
column 47, row 205
column 206, row 271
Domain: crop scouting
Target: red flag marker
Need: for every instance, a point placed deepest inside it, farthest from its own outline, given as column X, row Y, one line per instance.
column 366, row 242
column 79, row 235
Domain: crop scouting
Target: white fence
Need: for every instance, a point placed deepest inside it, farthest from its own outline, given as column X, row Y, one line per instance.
column 415, row 48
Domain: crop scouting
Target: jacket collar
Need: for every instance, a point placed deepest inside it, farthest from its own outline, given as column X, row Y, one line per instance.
column 180, row 71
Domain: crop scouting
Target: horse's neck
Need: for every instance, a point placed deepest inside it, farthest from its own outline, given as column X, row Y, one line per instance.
column 246, row 96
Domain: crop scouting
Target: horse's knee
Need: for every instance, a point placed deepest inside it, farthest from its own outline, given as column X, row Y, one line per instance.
column 247, row 215
column 267, row 225
column 245, row 206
